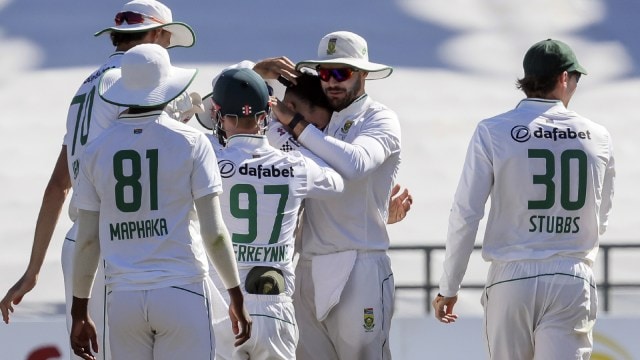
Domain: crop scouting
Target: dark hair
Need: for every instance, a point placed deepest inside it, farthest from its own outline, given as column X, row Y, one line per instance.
column 308, row 89
column 125, row 37
column 537, row 86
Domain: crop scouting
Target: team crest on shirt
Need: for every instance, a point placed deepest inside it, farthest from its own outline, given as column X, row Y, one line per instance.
column 369, row 320
column 347, row 125
column 137, row 131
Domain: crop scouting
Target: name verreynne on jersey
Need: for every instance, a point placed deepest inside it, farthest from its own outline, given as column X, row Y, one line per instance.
column 251, row 253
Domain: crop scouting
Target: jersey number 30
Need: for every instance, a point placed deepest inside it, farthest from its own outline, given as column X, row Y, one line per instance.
column 546, row 179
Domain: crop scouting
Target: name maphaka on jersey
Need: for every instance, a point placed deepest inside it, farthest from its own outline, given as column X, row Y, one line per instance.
column 141, row 229
column 522, row 133
column 228, row 169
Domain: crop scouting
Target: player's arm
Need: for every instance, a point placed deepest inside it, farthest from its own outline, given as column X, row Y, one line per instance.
column 322, row 180
column 218, row 245
column 85, row 263
column 378, row 139
column 275, row 67
column 50, row 209
column 469, row 202
column 607, row 192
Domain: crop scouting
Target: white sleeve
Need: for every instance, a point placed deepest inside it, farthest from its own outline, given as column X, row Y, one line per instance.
column 86, row 254
column 469, row 202
column 322, row 180
column 216, row 239
column 607, row 191
column 280, row 138
column 378, row 139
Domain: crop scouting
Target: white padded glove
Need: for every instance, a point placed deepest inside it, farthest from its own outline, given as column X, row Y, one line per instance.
column 185, row 106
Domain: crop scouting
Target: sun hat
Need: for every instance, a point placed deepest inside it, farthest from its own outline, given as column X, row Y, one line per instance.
column 550, row 57
column 241, row 92
column 155, row 15
column 346, row 48
column 145, row 78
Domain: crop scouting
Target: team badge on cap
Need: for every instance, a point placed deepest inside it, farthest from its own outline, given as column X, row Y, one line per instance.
column 331, row 46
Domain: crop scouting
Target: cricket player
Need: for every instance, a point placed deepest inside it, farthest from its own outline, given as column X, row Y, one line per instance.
column 306, row 97
column 137, row 186
column 344, row 281
column 550, row 174
column 139, row 21
column 264, row 189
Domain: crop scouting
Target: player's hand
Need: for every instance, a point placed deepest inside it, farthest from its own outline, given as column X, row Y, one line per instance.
column 282, row 112
column 15, row 294
column 185, row 106
column 399, row 204
column 84, row 338
column 240, row 320
column 272, row 68
column 443, row 308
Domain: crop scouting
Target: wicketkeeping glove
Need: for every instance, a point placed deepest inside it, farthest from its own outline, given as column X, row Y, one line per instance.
column 185, row 106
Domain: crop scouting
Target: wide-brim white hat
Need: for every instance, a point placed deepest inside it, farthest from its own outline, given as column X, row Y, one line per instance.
column 346, row 48
column 145, row 78
column 206, row 118
column 156, row 15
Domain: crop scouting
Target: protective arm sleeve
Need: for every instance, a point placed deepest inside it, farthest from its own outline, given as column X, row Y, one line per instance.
column 469, row 202
column 368, row 151
column 217, row 240
column 87, row 253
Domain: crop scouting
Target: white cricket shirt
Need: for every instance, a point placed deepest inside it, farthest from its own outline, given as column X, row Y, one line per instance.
column 264, row 188
column 362, row 143
column 88, row 116
column 143, row 175
column 549, row 172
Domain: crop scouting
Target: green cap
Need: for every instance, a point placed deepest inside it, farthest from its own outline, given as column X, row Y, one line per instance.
column 240, row 92
column 550, row 57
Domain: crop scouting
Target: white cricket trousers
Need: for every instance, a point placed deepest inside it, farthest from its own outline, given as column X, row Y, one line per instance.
column 169, row 323
column 357, row 328
column 274, row 334
column 539, row 309
column 97, row 305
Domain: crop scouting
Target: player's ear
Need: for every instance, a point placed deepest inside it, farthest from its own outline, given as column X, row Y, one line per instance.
column 289, row 103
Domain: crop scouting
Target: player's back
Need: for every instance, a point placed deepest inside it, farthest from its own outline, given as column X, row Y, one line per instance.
column 88, row 116
column 551, row 169
column 263, row 191
column 147, row 169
